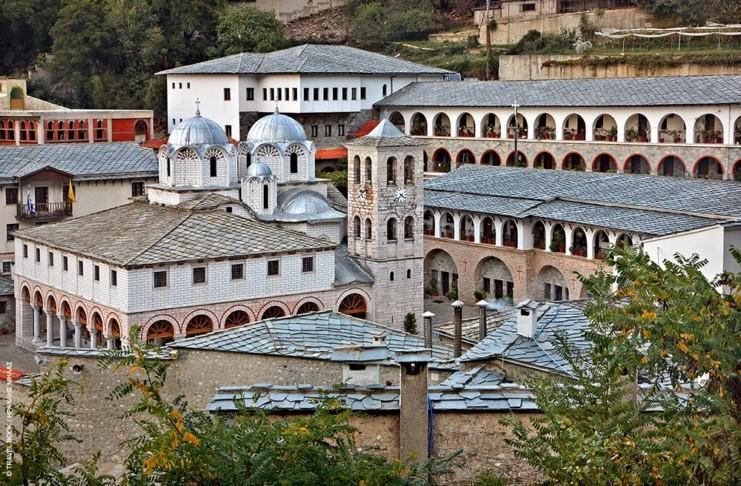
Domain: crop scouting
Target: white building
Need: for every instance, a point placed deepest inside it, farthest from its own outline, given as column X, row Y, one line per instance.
column 227, row 236
column 329, row 89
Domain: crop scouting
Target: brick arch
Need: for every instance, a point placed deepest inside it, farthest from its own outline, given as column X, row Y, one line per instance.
column 238, row 307
column 602, row 154
column 38, row 297
column 660, row 165
column 570, row 284
column 80, row 305
column 697, row 161
column 64, row 300
column 274, row 303
column 366, row 296
column 626, row 164
column 511, row 156
column 158, row 317
column 545, row 152
column 736, row 168
column 107, row 324
column 51, row 303
column 573, row 152
column 307, row 300
column 26, row 292
column 91, row 319
column 479, row 269
column 196, row 313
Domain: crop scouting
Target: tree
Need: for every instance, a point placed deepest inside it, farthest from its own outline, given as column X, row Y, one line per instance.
column 243, row 28
column 667, row 326
column 377, row 23
column 24, row 34
column 410, row 323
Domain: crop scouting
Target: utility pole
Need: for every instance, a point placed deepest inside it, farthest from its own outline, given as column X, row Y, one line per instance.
column 488, row 42
column 516, row 160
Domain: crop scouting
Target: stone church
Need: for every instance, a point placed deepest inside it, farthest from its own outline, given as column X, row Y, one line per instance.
column 230, row 235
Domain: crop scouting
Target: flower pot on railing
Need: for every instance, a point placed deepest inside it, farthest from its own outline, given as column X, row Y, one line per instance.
column 582, row 252
column 488, row 241
column 468, row 237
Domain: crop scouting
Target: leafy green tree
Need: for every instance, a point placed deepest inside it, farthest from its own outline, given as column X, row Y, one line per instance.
column 24, row 31
column 665, row 325
column 243, row 28
column 410, row 323
column 377, row 23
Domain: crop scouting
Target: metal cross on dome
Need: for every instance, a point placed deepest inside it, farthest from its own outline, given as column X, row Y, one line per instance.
column 198, row 108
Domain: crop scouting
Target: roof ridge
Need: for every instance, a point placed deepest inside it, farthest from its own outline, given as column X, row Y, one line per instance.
column 162, row 237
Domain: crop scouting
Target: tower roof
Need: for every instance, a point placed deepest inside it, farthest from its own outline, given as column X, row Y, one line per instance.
column 276, row 128
column 385, row 134
column 197, row 131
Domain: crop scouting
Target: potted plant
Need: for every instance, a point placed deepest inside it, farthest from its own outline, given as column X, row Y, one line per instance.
column 612, row 134
column 642, row 136
column 631, row 135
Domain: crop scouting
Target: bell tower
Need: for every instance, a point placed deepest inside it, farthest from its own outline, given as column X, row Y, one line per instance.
column 385, row 212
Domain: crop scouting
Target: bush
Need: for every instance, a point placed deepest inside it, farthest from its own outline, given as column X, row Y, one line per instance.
column 479, row 295
column 534, row 42
column 410, row 323
column 376, row 23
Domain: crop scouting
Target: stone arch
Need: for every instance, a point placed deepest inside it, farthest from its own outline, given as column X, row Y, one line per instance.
column 637, row 128
column 428, row 227
column 397, row 120
column 544, row 160
column 465, row 125
column 574, row 127
column 112, row 326
column 708, row 129
column 391, row 225
column 521, row 123
column 579, row 242
column 574, row 161
column 491, row 126
column 25, row 293
column 551, row 284
column 539, row 235
column 441, row 272
column 354, row 304
column 637, row 164
column 447, row 225
column 605, row 128
column 409, row 228
column 391, row 171
column 409, row 164
column 441, row 125
column 623, row 240
column 51, row 303
column 558, row 238
column 441, row 160
column 96, row 321
column 200, row 323
column 303, row 304
column 510, row 233
column 604, row 162
column 356, row 170
column 520, row 162
column 465, row 156
column 466, row 228
column 81, row 311
column 160, row 332
column 708, row 167
column 601, row 244
column 488, row 231
column 243, row 309
column 368, row 229
column 494, row 278
column 368, row 170
column 672, row 166
column 66, row 308
column 418, row 125
column 356, row 231
column 270, row 310
column 545, row 127
column 38, row 298
column 672, row 129
column 491, row 157
column 160, row 317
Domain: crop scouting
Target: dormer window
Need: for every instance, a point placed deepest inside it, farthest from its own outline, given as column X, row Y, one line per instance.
column 212, row 162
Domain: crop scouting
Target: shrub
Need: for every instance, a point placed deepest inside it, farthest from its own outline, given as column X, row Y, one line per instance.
column 410, row 323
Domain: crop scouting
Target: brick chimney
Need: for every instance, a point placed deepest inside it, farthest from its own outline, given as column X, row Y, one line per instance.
column 413, row 402
column 482, row 318
column 428, row 328
column 457, row 328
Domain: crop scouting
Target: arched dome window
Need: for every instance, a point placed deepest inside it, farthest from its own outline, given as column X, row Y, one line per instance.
column 294, row 163
column 168, row 166
column 265, row 196
column 212, row 163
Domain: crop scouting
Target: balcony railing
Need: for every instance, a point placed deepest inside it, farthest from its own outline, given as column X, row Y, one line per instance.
column 49, row 210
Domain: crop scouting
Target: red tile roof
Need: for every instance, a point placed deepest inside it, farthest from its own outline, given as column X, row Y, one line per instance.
column 331, row 154
column 365, row 129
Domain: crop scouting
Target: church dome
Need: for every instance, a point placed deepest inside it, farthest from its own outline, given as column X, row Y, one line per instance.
column 258, row 169
column 276, row 128
column 197, row 131
column 305, row 203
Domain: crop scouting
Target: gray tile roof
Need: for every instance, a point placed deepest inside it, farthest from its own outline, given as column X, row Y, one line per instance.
column 308, row 59
column 659, row 91
column 502, row 397
column 146, row 234
column 386, row 135
column 644, row 204
column 85, row 161
column 553, row 319
column 6, row 285
column 312, row 336
column 470, row 327
column 348, row 271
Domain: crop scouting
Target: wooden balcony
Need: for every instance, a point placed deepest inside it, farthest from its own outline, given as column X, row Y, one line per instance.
column 44, row 211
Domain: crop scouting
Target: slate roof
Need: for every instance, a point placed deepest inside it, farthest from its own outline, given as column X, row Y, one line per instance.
column 385, row 134
column 146, row 234
column 470, row 327
column 657, row 91
column 308, row 59
column 6, row 285
column 313, row 336
column 372, row 399
column 85, row 161
column 643, row 204
column 553, row 319
column 347, row 270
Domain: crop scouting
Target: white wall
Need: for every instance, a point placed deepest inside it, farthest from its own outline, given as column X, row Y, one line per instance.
column 706, row 242
column 209, row 89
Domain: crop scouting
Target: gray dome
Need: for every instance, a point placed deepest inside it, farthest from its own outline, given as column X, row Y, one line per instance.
column 306, row 203
column 258, row 169
column 276, row 128
column 197, row 131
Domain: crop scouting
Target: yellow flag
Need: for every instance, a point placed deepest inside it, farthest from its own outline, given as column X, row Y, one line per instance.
column 71, row 193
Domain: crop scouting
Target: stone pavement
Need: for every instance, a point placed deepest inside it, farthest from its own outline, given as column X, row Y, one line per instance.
column 21, row 359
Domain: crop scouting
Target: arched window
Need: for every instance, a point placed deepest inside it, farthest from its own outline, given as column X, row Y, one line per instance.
column 539, row 235
column 81, row 131
column 391, row 229
column 368, row 229
column 356, row 226
column 509, row 234
column 385, row 90
column 356, row 170
column 167, row 159
column 391, row 171
column 368, row 171
column 408, row 228
column 248, row 160
column 409, row 273
column 391, row 276
column 447, row 226
column 23, row 131
column 429, row 223
column 60, row 131
column 265, row 196
column 49, row 131
column 99, row 130
column 294, row 163
column 409, row 170
column 212, row 162
column 71, row 130
column 11, row 131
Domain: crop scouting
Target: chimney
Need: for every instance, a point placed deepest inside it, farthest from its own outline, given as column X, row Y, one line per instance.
column 428, row 328
column 413, row 412
column 457, row 328
column 527, row 319
column 482, row 318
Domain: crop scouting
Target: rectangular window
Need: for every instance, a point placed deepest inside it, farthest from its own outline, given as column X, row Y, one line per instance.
column 250, row 94
column 295, row 94
column 335, row 94
column 341, row 130
column 354, row 92
column 306, row 94
column 38, row 255
column 160, row 279
column 227, row 94
column 314, row 131
column 173, row 85
column 11, row 195
column 327, row 130
column 307, row 264
column 279, row 94
column 114, row 278
column 265, row 94
column 51, row 259
column 326, row 94
column 3, row 307
column 287, row 94
column 547, row 291
column 316, row 94
column 7, row 267
column 362, row 93
column 188, row 85
column 9, row 228
column 272, row 94
column 25, row 251
column 80, row 268
column 96, row 273
column 199, row 275
column 137, row 189
column 65, row 263
column 528, row 7
column 228, row 131
column 237, row 271
column 558, row 292
column 344, row 94
column 180, row 85
column 273, row 268
column 487, row 285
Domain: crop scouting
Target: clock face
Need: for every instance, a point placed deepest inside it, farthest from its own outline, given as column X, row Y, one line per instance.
column 362, row 193
column 400, row 195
